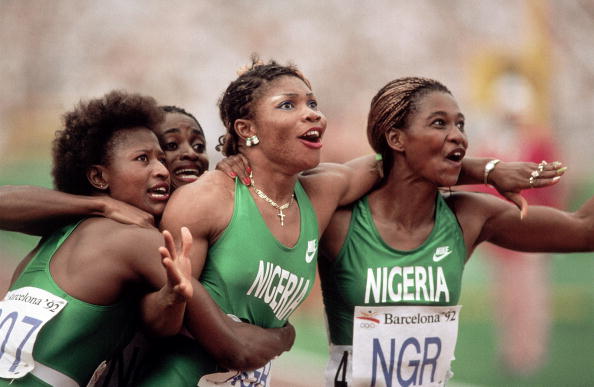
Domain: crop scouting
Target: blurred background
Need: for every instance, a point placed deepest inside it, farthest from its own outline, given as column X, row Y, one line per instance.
column 522, row 72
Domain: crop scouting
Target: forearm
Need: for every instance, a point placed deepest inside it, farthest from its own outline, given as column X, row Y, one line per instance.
column 262, row 344
column 37, row 210
column 544, row 229
column 473, row 169
column 234, row 345
column 162, row 312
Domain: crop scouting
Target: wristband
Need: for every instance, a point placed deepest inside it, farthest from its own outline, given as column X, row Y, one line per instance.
column 488, row 168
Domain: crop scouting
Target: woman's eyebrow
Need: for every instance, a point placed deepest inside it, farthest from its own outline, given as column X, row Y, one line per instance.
column 171, row 130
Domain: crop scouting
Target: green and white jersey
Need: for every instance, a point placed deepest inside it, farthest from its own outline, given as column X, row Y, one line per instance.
column 367, row 271
column 250, row 275
column 69, row 345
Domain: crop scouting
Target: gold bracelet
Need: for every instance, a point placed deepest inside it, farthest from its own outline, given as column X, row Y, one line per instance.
column 488, row 168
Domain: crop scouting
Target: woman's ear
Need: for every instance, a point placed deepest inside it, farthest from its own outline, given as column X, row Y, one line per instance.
column 98, row 177
column 396, row 139
column 244, row 128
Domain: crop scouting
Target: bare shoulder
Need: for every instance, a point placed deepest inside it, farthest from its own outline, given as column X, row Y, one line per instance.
column 474, row 210
column 202, row 205
column 210, row 183
column 215, row 178
column 125, row 239
column 210, row 189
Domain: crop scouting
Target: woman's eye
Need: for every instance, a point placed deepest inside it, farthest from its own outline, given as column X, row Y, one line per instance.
column 460, row 126
column 170, row 146
column 313, row 105
column 142, row 158
column 286, row 105
column 438, row 122
column 198, row 148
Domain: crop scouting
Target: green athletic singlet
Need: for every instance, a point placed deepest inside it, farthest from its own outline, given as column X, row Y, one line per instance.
column 249, row 274
column 369, row 272
column 82, row 335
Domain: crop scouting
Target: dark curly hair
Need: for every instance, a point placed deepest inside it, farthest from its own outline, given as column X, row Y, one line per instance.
column 238, row 99
column 391, row 108
column 88, row 131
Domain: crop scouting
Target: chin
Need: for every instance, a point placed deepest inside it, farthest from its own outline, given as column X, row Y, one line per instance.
column 305, row 165
column 313, row 161
column 156, row 210
column 447, row 181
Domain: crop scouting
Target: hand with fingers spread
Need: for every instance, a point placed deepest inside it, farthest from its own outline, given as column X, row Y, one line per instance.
column 510, row 178
column 236, row 166
column 177, row 266
column 163, row 311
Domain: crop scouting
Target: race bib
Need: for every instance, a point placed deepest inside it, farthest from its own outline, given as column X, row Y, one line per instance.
column 403, row 345
column 256, row 378
column 23, row 313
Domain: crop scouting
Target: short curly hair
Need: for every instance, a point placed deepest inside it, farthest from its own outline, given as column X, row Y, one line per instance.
column 237, row 101
column 88, row 130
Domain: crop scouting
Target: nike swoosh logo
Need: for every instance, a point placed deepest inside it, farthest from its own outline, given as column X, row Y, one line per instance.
column 439, row 257
column 311, row 251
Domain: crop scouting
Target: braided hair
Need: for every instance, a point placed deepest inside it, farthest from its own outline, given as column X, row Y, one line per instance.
column 391, row 108
column 238, row 100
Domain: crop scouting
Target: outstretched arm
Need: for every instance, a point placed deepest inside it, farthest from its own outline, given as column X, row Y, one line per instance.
column 509, row 178
column 344, row 183
column 544, row 229
column 352, row 180
column 38, row 211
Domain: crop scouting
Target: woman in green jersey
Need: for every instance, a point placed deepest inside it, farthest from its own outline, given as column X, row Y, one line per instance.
column 71, row 300
column 255, row 248
column 328, row 184
column 393, row 261
column 75, row 299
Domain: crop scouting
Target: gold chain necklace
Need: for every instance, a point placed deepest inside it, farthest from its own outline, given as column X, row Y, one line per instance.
column 280, row 209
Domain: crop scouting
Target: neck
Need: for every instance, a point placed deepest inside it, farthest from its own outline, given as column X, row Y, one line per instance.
column 275, row 183
column 405, row 199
